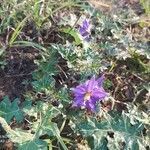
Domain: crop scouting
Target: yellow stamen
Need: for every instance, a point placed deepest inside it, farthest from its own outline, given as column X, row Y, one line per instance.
column 87, row 96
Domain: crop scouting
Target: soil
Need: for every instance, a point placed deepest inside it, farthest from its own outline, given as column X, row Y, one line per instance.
column 19, row 66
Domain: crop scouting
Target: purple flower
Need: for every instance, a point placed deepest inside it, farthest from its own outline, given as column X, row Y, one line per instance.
column 84, row 30
column 88, row 93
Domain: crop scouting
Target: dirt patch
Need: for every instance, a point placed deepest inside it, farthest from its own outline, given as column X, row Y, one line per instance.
column 20, row 65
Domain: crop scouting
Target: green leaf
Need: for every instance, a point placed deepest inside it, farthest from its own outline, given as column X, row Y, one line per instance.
column 56, row 132
column 73, row 33
column 9, row 110
column 119, row 125
column 26, row 105
column 42, row 125
column 146, row 4
column 48, row 127
column 134, row 145
column 20, row 136
column 63, row 95
column 102, row 144
column 36, row 144
column 68, row 53
column 122, row 124
column 37, row 46
column 97, row 142
column 43, row 77
column 17, row 30
column 44, row 83
column 2, row 50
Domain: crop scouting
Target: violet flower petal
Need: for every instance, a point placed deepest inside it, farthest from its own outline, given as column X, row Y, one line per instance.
column 79, row 90
column 86, row 24
column 85, row 34
column 90, row 106
column 84, row 30
column 99, row 94
column 78, row 102
column 100, row 80
column 88, row 38
column 91, row 84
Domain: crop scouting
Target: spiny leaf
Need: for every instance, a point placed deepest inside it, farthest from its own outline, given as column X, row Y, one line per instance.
column 67, row 52
column 117, row 124
column 36, row 144
column 44, row 83
column 98, row 142
column 9, row 110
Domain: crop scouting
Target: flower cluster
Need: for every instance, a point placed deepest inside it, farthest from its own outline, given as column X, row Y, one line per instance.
column 84, row 30
column 88, row 93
